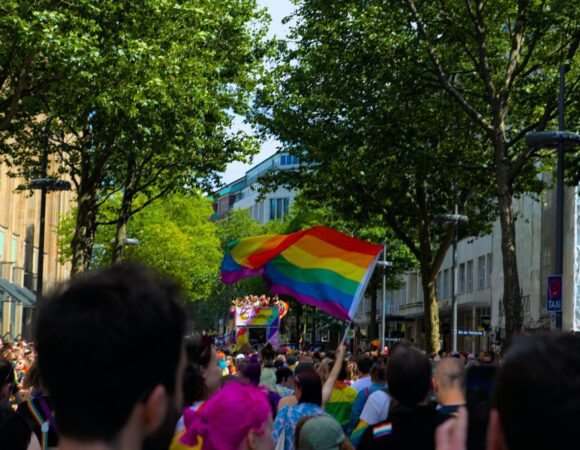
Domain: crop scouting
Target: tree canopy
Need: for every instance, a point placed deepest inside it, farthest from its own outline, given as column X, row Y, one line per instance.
column 146, row 103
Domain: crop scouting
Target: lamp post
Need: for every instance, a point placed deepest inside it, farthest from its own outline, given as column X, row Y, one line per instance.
column 562, row 141
column 384, row 264
column 455, row 219
column 45, row 185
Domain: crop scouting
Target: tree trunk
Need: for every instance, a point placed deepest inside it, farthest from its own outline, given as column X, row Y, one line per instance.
column 84, row 234
column 511, row 281
column 125, row 211
column 431, row 311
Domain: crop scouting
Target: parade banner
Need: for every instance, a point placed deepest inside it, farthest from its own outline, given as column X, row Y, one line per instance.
column 257, row 316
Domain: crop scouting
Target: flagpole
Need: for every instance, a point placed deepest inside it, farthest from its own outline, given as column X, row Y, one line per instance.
column 346, row 332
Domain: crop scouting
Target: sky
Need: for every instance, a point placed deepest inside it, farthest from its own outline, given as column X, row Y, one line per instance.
column 278, row 9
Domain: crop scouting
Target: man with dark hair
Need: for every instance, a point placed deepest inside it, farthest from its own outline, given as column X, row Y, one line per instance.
column 449, row 382
column 110, row 352
column 284, row 382
column 412, row 421
column 364, row 365
column 537, row 394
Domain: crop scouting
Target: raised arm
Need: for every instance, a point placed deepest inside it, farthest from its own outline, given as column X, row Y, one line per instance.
column 333, row 375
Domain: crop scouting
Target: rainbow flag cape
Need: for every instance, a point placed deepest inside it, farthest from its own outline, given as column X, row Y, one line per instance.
column 320, row 267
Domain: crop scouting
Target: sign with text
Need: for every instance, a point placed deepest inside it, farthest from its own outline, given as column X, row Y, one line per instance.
column 470, row 333
column 554, row 298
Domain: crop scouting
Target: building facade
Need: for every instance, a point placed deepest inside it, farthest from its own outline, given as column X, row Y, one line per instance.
column 19, row 221
column 243, row 194
column 479, row 281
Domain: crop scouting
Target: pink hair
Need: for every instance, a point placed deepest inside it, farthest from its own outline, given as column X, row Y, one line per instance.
column 227, row 417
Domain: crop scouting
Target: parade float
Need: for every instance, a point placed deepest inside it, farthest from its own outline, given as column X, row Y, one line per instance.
column 256, row 321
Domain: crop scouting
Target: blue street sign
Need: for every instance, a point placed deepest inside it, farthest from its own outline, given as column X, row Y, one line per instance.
column 554, row 293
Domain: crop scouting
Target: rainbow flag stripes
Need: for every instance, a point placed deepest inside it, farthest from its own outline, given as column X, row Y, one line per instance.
column 320, row 267
column 382, row 430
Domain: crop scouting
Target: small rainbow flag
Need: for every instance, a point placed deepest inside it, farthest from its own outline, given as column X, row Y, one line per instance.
column 320, row 267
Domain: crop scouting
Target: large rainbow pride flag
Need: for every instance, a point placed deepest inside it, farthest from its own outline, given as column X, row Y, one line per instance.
column 320, row 267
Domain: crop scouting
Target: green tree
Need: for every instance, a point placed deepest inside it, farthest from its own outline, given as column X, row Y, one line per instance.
column 175, row 236
column 381, row 148
column 37, row 43
column 498, row 61
column 146, row 105
column 238, row 224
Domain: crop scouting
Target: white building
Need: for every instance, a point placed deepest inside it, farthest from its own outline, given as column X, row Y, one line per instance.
column 243, row 193
column 480, row 280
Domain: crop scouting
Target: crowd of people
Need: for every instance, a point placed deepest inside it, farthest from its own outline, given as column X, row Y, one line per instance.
column 254, row 301
column 110, row 369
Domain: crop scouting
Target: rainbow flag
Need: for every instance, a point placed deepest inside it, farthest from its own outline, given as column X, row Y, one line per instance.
column 320, row 267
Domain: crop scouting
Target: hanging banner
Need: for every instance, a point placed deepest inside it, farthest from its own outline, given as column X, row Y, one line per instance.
column 257, row 316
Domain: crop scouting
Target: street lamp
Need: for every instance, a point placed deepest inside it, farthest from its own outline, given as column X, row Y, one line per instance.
column 562, row 140
column 454, row 219
column 384, row 264
column 44, row 184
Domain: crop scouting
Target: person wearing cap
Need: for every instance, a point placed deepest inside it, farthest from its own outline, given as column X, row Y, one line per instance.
column 320, row 433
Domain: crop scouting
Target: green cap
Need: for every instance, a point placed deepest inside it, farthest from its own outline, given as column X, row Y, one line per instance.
column 321, row 433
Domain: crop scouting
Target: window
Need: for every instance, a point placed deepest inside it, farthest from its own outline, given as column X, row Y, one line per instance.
column 469, row 276
column 481, row 273
column 462, row 278
column 279, row 208
column 488, row 279
column 446, row 283
column 1, row 248
column 287, row 160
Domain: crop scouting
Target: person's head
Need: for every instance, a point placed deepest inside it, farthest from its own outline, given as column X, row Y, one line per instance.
column 291, row 360
column 119, row 332
column 251, row 370
column 285, row 377
column 324, row 368
column 268, row 354
column 237, row 417
column 449, row 381
column 488, row 357
column 7, row 380
column 320, row 432
column 343, row 370
column 536, row 394
column 221, row 359
column 202, row 373
column 408, row 375
column 15, row 431
column 378, row 374
column 364, row 364
column 308, row 388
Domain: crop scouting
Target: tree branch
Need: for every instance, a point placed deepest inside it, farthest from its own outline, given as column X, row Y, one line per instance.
column 517, row 40
column 484, row 64
column 470, row 110
column 16, row 95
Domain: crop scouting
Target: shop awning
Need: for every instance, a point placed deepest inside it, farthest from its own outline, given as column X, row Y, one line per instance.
column 18, row 293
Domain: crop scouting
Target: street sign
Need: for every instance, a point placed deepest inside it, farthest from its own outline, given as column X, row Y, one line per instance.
column 554, row 297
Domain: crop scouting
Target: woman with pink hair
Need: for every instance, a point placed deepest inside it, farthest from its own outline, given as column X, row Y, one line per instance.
column 238, row 417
